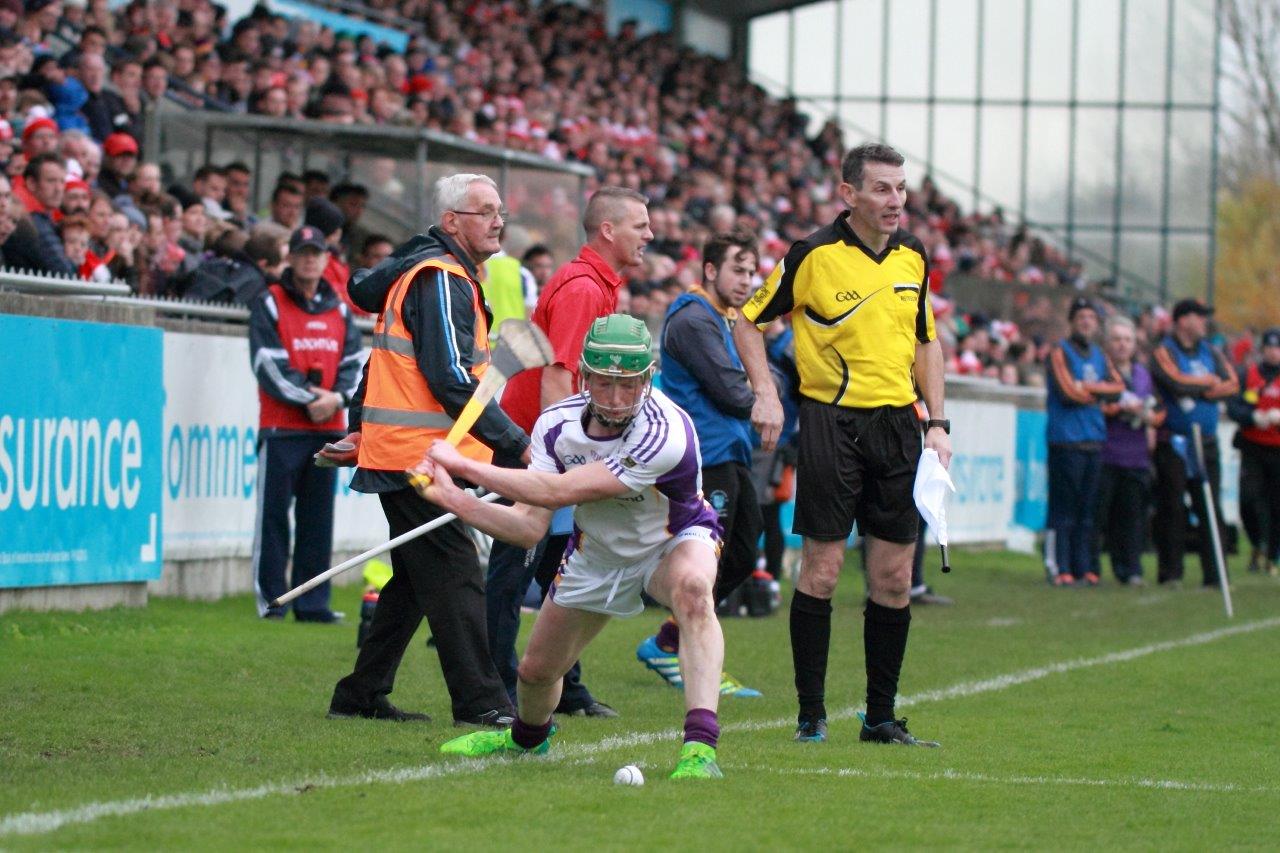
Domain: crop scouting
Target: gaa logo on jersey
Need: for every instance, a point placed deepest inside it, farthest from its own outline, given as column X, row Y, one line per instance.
column 1090, row 373
column 574, row 459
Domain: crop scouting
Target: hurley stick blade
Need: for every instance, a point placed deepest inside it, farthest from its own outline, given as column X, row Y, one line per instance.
column 521, row 346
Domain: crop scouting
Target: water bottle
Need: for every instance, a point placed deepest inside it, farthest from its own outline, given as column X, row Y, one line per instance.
column 368, row 604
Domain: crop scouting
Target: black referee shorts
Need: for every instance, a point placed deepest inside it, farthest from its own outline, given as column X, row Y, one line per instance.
column 857, row 465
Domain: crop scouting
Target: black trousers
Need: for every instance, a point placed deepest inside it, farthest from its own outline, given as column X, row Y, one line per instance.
column 1260, row 497
column 1171, row 523
column 436, row 576
column 728, row 488
column 1124, row 501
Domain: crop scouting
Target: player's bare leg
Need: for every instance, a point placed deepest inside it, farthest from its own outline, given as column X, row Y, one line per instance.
column 559, row 636
column 683, row 583
column 888, row 618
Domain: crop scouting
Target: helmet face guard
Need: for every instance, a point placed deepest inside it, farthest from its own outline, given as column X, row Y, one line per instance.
column 615, row 416
column 617, row 346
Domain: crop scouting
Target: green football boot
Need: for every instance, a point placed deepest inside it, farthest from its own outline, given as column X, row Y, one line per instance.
column 697, row 761
column 479, row 744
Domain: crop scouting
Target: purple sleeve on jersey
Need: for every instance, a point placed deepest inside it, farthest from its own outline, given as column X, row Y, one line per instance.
column 549, row 439
column 655, row 435
column 680, row 486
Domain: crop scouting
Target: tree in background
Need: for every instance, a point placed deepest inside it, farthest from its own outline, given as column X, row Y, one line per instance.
column 1248, row 272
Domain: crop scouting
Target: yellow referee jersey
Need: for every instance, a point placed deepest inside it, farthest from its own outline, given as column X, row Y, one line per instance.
column 858, row 315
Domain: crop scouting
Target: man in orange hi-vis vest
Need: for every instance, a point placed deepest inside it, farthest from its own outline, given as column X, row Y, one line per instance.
column 430, row 347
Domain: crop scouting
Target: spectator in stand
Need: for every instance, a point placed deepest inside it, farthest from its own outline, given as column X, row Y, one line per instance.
column 540, row 263
column 236, row 202
column 1080, row 378
column 45, row 178
column 1257, row 412
column 120, row 152
column 74, row 231
column 315, row 184
column 104, row 111
column 1192, row 377
column 324, row 215
column 194, row 220
column 210, row 184
column 305, row 353
column 375, row 249
column 286, row 205
column 76, row 197
column 144, row 186
column 351, row 200
column 1124, row 496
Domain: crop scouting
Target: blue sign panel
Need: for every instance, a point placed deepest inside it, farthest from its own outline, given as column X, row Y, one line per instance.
column 1031, row 501
column 80, row 452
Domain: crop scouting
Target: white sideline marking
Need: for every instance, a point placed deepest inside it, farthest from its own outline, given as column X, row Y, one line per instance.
column 961, row 776
column 35, row 823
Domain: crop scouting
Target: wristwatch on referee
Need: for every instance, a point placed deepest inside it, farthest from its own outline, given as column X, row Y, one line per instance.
column 945, row 425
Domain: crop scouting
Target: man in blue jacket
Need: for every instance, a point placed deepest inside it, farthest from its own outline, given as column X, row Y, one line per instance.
column 1080, row 378
column 702, row 373
column 1193, row 377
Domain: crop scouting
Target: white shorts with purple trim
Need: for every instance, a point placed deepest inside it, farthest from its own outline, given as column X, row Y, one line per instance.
column 616, row 591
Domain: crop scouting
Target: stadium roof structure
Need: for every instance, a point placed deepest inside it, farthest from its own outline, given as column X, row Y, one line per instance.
column 741, row 10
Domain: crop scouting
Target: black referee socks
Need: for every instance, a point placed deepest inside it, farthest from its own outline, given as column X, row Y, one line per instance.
column 810, row 642
column 884, row 641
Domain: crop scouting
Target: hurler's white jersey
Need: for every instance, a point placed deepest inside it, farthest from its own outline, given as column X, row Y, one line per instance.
column 656, row 456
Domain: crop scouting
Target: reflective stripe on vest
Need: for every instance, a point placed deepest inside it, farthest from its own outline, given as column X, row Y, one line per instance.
column 401, row 417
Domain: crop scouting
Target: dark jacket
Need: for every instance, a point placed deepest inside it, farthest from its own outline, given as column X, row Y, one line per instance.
column 227, row 279
column 439, row 316
column 52, row 256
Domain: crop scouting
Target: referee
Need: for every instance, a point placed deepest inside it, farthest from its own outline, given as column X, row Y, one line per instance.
column 865, row 343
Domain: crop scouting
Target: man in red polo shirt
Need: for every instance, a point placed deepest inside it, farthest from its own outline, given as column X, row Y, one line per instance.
column 581, row 291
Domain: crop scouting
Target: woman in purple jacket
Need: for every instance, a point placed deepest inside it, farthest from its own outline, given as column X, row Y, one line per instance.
column 1124, row 498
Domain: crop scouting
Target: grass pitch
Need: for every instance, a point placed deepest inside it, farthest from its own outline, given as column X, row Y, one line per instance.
column 1069, row 719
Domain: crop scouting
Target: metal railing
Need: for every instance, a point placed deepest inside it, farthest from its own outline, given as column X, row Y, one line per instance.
column 119, row 293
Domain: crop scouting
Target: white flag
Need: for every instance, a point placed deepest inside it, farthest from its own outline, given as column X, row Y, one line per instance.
column 930, row 492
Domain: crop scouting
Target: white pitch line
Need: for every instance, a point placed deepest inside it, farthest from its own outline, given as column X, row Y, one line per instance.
column 962, row 776
column 36, row 823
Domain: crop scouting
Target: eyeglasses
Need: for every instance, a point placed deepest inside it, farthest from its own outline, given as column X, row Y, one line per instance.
column 488, row 215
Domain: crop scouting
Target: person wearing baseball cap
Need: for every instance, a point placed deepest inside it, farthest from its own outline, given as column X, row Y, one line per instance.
column 120, row 161
column 1192, row 377
column 1256, row 410
column 305, row 351
column 1080, row 377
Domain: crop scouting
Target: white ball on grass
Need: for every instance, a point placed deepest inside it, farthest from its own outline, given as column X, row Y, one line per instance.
column 629, row 775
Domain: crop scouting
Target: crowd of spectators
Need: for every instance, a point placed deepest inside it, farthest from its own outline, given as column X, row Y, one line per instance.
column 709, row 149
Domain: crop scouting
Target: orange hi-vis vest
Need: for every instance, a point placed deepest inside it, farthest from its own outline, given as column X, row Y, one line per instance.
column 1265, row 396
column 401, row 417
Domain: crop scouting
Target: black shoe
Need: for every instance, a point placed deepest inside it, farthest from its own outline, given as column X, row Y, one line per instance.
column 811, row 730
column 381, row 709
column 274, row 613
column 892, row 731
column 319, row 617
column 498, row 718
column 592, row 709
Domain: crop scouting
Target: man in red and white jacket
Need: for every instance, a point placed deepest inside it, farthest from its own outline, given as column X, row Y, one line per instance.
column 305, row 352
column 1257, row 412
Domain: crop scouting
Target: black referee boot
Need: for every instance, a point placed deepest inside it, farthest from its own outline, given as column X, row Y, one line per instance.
column 891, row 731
